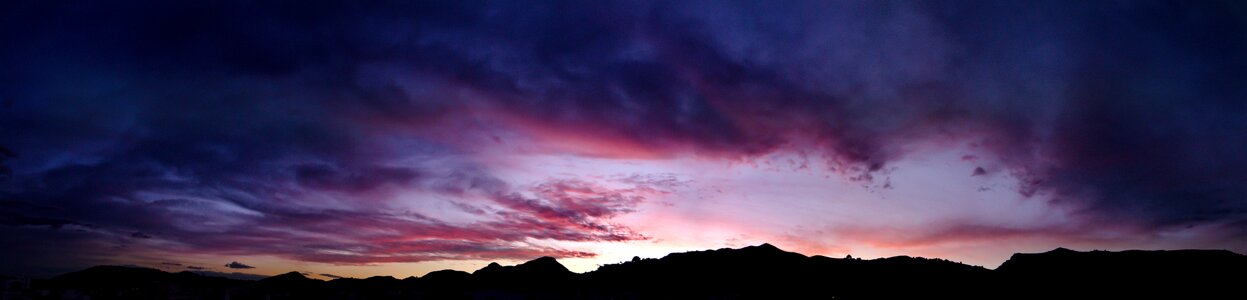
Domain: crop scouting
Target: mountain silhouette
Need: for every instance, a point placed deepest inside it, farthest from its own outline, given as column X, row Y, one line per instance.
column 754, row 272
column 291, row 278
column 1199, row 274
column 124, row 282
column 292, row 285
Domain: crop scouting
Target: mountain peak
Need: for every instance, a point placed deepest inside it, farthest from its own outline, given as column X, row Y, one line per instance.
column 291, row 274
column 287, row 278
column 544, row 260
column 493, row 267
column 765, row 248
column 543, row 264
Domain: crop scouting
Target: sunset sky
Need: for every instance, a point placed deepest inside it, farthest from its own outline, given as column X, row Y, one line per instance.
column 401, row 138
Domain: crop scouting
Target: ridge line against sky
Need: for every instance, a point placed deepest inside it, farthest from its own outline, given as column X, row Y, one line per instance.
column 408, row 136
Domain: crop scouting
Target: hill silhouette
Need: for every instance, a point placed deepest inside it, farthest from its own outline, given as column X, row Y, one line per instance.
column 753, row 272
column 1179, row 274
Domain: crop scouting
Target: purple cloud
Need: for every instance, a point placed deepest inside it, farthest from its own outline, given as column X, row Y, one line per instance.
column 206, row 128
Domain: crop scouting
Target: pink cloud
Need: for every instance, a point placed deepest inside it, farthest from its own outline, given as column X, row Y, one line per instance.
column 556, row 210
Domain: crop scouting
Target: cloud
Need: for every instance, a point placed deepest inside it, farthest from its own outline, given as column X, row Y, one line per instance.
column 581, row 205
column 232, row 275
column 211, row 128
column 566, row 209
column 22, row 213
column 237, row 265
column 323, row 177
column 5, row 154
column 960, row 234
column 330, row 276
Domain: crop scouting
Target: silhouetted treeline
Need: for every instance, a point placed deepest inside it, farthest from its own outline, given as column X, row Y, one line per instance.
column 756, row 272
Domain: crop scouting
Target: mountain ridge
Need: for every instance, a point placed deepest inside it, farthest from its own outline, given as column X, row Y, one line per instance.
column 760, row 271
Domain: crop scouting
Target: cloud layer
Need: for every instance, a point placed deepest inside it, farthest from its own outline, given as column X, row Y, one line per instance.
column 306, row 130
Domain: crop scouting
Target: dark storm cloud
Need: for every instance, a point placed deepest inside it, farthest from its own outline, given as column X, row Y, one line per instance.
column 133, row 117
column 237, row 265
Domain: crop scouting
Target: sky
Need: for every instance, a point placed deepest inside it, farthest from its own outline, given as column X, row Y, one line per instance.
column 399, row 138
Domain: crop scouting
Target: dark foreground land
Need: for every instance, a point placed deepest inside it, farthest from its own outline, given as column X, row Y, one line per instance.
column 756, row 272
